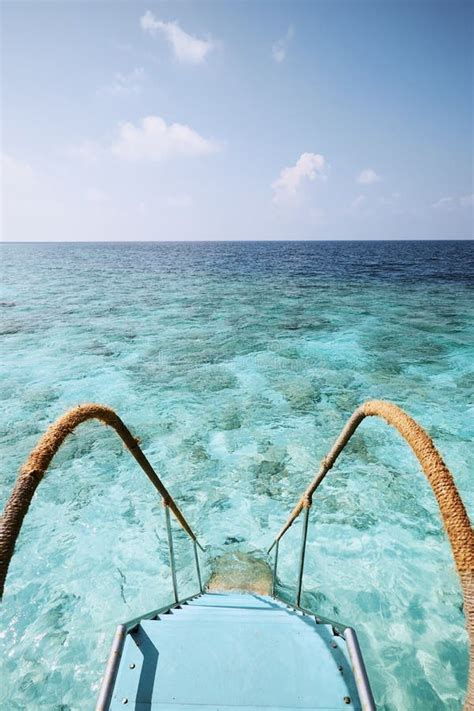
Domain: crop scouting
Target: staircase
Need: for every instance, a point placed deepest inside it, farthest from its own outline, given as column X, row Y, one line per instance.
column 234, row 651
column 219, row 650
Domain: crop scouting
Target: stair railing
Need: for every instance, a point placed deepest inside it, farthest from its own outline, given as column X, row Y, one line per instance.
column 453, row 512
column 40, row 458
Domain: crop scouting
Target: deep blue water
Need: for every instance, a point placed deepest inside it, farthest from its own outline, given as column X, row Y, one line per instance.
column 237, row 364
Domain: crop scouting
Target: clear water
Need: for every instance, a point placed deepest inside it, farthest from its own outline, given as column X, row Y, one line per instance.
column 237, row 364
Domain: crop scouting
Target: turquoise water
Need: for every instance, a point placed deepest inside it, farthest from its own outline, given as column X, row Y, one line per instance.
column 237, row 364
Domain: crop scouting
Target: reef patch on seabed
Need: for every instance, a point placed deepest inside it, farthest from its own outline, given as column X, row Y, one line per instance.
column 241, row 572
column 135, row 326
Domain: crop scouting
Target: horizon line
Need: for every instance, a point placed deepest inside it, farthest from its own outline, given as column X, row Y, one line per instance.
column 234, row 241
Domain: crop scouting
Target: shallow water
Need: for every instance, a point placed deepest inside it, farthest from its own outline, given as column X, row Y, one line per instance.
column 237, row 364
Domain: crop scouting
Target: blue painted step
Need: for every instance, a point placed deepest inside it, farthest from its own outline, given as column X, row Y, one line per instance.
column 231, row 651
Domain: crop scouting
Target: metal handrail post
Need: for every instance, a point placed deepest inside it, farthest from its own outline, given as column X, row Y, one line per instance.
column 360, row 672
column 107, row 685
column 302, row 552
column 275, row 564
column 171, row 550
column 198, row 571
column 35, row 467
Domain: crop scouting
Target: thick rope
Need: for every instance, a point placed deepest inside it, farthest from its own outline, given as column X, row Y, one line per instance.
column 40, row 458
column 453, row 512
column 452, row 509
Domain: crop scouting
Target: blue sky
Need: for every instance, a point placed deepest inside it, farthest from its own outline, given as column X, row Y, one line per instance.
column 237, row 120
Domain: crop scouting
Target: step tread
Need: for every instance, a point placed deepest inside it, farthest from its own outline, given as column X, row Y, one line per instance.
column 256, row 656
column 118, row 705
column 234, row 600
column 248, row 620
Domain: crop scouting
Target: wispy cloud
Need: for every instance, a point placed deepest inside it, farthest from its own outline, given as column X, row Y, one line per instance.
column 368, row 176
column 359, row 201
column 280, row 47
column 154, row 140
column 308, row 167
column 125, row 84
column 451, row 203
column 389, row 199
column 445, row 203
column 186, row 47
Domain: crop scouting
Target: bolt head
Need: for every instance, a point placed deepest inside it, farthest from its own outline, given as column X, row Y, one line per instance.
column 131, row 666
column 124, row 701
column 347, row 699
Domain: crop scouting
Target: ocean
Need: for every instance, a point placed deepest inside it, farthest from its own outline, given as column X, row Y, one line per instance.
column 237, row 364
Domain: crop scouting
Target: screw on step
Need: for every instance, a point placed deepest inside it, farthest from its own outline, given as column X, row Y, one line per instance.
column 131, row 666
column 124, row 701
column 339, row 668
column 334, row 645
column 347, row 699
column 318, row 620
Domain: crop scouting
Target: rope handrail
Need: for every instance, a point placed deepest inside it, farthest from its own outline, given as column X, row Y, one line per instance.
column 452, row 509
column 33, row 470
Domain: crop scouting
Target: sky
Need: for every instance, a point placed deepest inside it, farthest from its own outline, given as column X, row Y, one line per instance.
column 237, row 119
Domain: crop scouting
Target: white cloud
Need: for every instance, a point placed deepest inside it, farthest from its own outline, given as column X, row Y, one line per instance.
column 308, row 167
column 467, row 200
column 125, row 84
column 186, row 48
column 368, row 176
column 154, row 140
column 280, row 47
